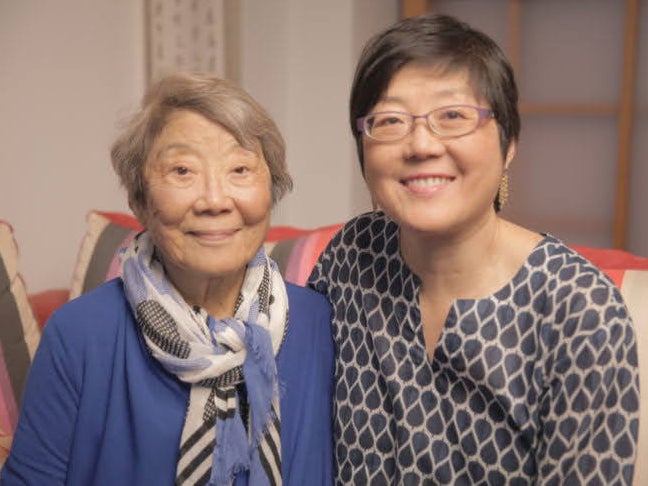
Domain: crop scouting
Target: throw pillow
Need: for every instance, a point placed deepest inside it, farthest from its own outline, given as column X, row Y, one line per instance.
column 296, row 256
column 634, row 288
column 97, row 259
column 19, row 337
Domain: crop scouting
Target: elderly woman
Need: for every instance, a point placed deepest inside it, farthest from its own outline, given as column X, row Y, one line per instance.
column 200, row 365
column 471, row 350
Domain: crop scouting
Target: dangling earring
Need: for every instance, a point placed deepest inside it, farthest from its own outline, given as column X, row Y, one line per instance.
column 503, row 193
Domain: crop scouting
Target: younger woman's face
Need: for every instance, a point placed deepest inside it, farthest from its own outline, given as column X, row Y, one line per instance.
column 431, row 185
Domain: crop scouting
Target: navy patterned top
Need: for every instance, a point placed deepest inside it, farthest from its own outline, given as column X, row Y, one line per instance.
column 537, row 383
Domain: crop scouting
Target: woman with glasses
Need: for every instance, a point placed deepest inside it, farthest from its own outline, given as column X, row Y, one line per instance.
column 471, row 350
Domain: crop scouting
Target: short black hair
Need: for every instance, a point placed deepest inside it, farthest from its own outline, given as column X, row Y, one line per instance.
column 445, row 42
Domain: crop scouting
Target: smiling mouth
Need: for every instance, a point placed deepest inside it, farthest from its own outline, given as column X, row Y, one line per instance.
column 212, row 235
column 427, row 182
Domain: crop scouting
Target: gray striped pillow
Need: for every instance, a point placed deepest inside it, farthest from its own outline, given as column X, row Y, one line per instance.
column 19, row 337
column 98, row 257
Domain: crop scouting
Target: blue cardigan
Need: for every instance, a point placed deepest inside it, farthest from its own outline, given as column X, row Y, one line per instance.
column 99, row 410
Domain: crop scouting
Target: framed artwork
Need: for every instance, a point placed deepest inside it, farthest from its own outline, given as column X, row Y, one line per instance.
column 191, row 35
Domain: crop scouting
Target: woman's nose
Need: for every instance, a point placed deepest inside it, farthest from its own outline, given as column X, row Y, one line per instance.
column 423, row 142
column 214, row 194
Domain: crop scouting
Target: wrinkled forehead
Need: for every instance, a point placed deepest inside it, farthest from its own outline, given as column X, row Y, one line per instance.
column 236, row 124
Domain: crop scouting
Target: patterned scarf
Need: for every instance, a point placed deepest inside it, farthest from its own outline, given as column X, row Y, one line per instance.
column 214, row 356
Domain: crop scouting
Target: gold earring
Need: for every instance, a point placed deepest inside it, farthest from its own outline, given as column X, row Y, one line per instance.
column 503, row 193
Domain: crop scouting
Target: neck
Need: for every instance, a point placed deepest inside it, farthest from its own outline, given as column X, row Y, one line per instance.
column 467, row 265
column 217, row 296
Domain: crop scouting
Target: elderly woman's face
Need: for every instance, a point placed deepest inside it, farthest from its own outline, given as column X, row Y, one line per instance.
column 208, row 199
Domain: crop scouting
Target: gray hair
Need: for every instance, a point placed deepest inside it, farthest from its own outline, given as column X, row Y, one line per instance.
column 217, row 100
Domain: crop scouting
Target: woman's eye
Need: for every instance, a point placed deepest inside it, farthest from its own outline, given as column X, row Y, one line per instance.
column 241, row 169
column 452, row 115
column 386, row 120
column 181, row 170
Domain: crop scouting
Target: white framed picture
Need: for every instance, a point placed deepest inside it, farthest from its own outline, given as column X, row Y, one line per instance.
column 186, row 35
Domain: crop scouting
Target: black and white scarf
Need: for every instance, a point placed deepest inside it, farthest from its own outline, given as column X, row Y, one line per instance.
column 214, row 356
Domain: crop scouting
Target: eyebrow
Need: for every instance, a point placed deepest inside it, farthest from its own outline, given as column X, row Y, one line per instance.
column 173, row 146
column 181, row 146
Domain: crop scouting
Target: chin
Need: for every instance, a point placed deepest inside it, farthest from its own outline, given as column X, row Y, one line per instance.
column 429, row 226
column 420, row 218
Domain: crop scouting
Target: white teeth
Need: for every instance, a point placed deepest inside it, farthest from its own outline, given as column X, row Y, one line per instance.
column 428, row 181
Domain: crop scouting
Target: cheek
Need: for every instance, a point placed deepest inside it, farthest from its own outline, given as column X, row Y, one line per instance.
column 255, row 205
column 163, row 234
column 378, row 164
column 480, row 154
column 253, row 198
column 168, row 205
column 380, row 155
column 491, row 144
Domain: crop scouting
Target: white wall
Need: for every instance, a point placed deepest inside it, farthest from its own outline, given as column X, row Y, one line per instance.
column 68, row 70
column 298, row 58
column 71, row 69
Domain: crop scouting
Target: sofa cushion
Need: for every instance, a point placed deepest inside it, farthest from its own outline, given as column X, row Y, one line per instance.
column 634, row 288
column 296, row 251
column 19, row 337
column 630, row 273
column 97, row 259
column 44, row 303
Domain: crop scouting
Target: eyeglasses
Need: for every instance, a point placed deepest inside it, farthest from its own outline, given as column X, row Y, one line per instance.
column 445, row 122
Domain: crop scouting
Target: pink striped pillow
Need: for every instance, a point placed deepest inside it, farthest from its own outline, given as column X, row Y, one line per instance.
column 296, row 257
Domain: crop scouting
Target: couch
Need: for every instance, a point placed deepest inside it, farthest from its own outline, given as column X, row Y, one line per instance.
column 23, row 315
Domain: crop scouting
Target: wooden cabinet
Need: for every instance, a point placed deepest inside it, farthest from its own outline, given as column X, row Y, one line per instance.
column 577, row 67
